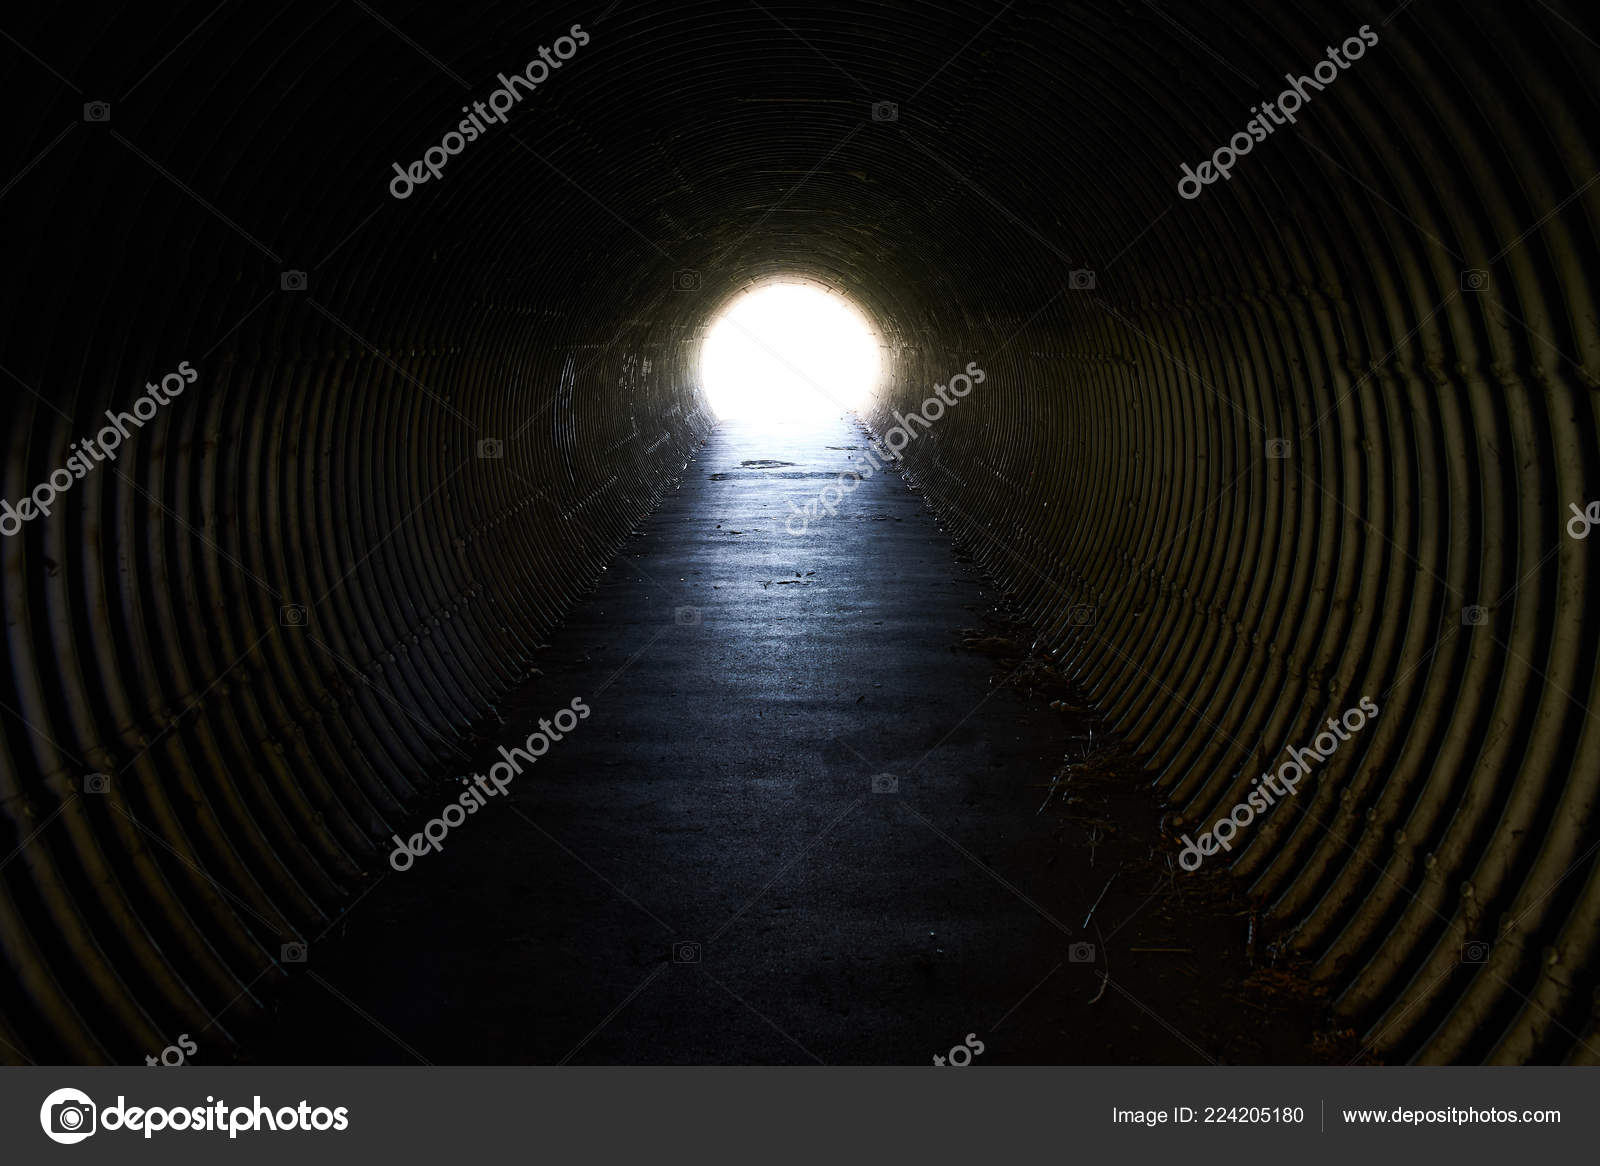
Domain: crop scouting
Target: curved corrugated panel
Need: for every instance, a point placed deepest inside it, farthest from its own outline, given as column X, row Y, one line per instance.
column 1122, row 468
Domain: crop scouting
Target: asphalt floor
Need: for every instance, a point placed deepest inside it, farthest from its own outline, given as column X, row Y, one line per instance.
column 805, row 821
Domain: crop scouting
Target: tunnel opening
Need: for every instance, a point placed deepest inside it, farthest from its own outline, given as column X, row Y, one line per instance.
column 788, row 352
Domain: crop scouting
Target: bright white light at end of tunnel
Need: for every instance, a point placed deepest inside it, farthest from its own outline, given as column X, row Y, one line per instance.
column 788, row 353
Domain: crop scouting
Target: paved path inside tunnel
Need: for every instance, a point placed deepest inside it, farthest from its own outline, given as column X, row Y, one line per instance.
column 713, row 868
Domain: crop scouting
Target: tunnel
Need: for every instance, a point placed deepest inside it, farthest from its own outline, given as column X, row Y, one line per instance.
column 1261, row 438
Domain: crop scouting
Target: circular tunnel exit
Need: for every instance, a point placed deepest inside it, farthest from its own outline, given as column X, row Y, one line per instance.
column 788, row 353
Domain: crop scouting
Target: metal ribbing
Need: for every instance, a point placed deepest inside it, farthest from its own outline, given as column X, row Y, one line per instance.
column 1437, row 434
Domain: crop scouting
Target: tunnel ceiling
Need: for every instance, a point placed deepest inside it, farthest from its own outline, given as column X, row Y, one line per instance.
column 1122, row 471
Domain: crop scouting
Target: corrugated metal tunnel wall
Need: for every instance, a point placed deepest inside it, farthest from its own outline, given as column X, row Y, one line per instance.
column 334, row 551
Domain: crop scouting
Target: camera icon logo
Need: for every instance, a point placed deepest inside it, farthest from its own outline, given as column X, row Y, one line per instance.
column 97, row 783
column 1080, row 953
column 885, row 783
column 1278, row 448
column 688, row 617
column 685, row 953
column 1474, row 616
column 292, row 281
column 1080, row 279
column 1081, row 614
column 1474, row 279
column 293, row 953
column 97, row 111
column 292, row 615
column 67, row 1116
column 491, row 447
column 686, row 280
column 885, row 111
column 1475, row 952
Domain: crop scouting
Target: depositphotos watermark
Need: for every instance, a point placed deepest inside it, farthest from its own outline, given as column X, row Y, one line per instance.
column 1280, row 784
column 486, row 786
column 492, row 112
column 896, row 439
column 828, row 499
column 1583, row 521
column 1289, row 102
column 93, row 450
column 69, row 1116
column 175, row 1055
column 960, row 1056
